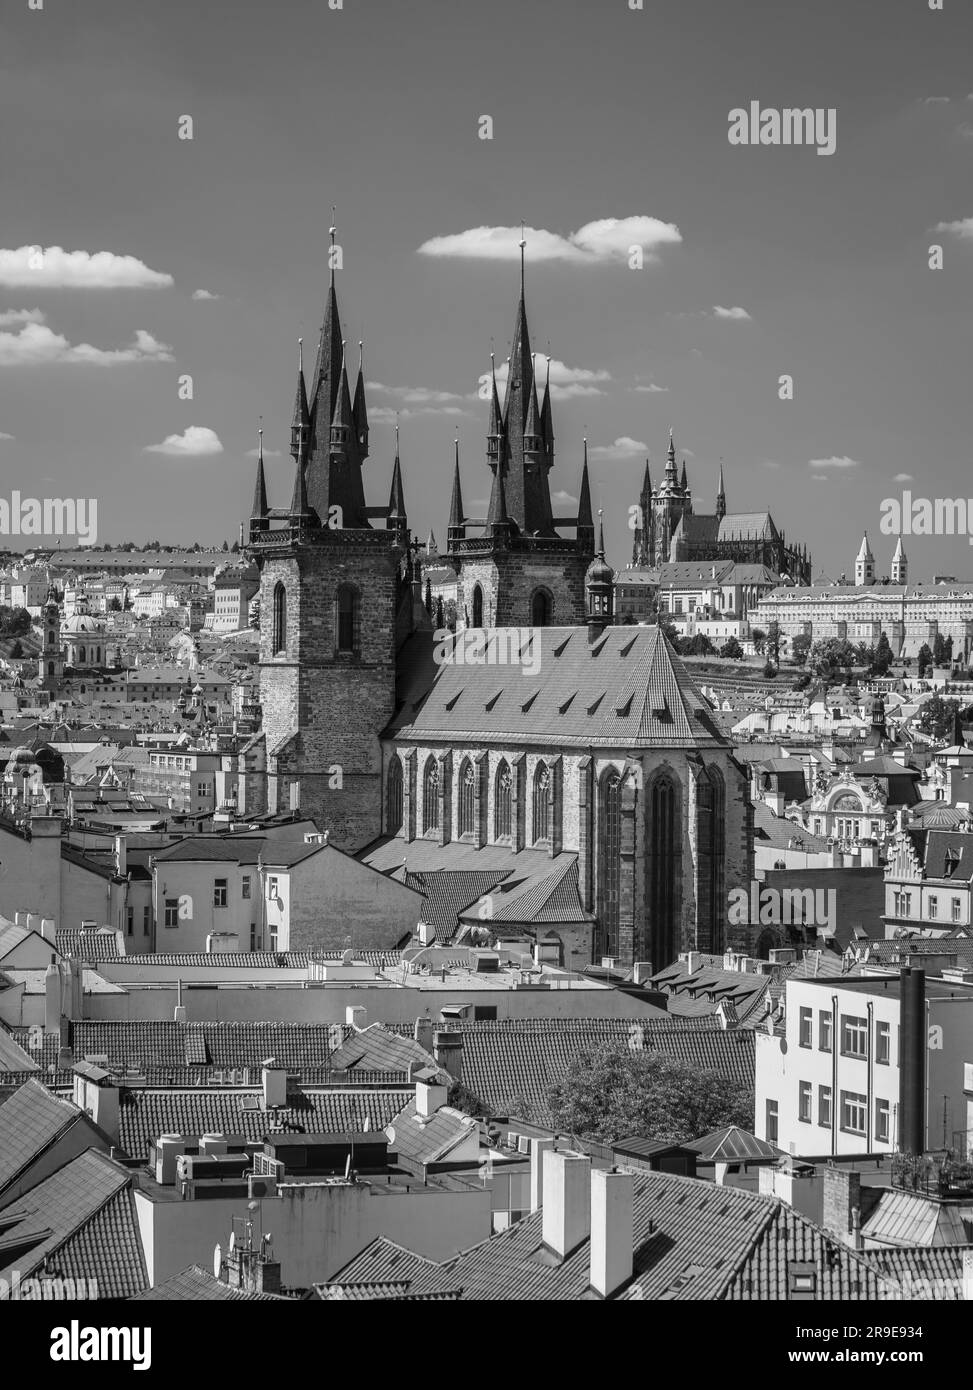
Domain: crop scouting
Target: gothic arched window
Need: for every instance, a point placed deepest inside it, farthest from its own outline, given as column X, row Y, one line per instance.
column 430, row 795
column 541, row 816
column 467, row 798
column 279, row 629
column 711, row 840
column 477, row 606
column 393, row 798
column 609, row 857
column 501, row 803
column 541, row 606
column 665, row 868
column 346, row 619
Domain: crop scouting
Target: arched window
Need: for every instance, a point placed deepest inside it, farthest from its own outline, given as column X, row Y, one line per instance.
column 477, row 606
column 51, row 638
column 430, row 795
column 82, row 656
column 540, row 608
column 665, row 869
column 346, row 619
column 501, row 803
column 393, row 798
column 711, row 842
column 467, row 798
column 609, row 857
column 541, row 816
column 98, row 654
column 279, row 631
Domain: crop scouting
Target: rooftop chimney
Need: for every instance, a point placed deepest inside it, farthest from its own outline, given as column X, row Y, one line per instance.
column 912, row 1073
column 612, row 1229
column 447, row 1048
column 566, row 1218
column 274, row 1084
column 355, row 1015
column 538, row 1148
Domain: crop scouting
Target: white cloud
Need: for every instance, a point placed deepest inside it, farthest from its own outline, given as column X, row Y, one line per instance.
column 820, row 478
column 37, row 345
column 651, row 389
column 623, row 447
column 965, row 130
column 55, row 268
column 268, row 453
column 608, row 239
column 196, row 441
column 564, row 498
column 204, row 294
column 387, row 415
column 935, row 101
column 834, row 462
column 10, row 318
column 963, row 228
column 5, row 436
column 566, row 382
column 736, row 313
column 414, row 395
column 771, row 463
column 902, row 478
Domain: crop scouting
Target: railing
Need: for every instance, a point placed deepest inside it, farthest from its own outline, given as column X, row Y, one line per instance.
column 942, row 1175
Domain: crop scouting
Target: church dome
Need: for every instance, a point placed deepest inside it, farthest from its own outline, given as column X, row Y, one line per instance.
column 81, row 623
column 36, row 754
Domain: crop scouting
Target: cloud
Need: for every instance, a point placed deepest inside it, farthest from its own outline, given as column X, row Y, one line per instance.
column 566, row 382
column 268, row 453
column 902, row 478
column 963, row 228
column 196, row 441
column 965, row 130
column 834, row 462
column 37, row 345
column 651, row 389
column 204, row 294
column 935, row 101
column 5, row 436
column 608, row 239
column 387, row 415
column 736, row 313
column 623, row 447
column 415, row 395
column 820, row 478
column 564, row 497
column 770, row 463
column 10, row 318
column 55, row 268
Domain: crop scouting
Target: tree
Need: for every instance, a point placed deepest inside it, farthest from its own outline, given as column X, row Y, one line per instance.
column 924, row 659
column 114, row 604
column 610, row 1093
column 226, row 545
column 937, row 716
column 831, row 656
column 668, row 628
column 731, row 649
column 17, row 650
column 800, row 646
column 883, row 656
column 698, row 645
column 866, row 655
column 770, row 671
column 759, row 638
column 773, row 641
column 14, row 622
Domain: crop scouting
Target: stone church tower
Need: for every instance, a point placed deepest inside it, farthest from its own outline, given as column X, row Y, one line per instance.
column 338, row 597
column 519, row 571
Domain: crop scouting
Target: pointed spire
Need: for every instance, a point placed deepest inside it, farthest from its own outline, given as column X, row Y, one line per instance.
column 396, row 496
column 532, row 425
column 547, row 420
column 456, row 530
column 600, row 552
column 684, row 480
column 259, row 509
column 359, row 411
column 647, row 481
column 523, row 245
column 300, row 511
column 495, row 430
column 721, row 497
column 497, row 514
column 301, row 419
column 343, row 420
column 671, row 456
column 584, row 499
column 332, row 233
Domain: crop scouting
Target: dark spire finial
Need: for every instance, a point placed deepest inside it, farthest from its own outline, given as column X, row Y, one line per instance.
column 523, row 246
column 332, row 232
column 601, row 534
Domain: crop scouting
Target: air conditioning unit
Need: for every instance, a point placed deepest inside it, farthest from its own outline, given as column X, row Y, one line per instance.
column 260, row 1187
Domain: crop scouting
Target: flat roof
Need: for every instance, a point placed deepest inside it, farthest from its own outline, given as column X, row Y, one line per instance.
column 936, row 988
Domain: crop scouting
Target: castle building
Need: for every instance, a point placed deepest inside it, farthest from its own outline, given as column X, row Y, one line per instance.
column 539, row 744
column 670, row 530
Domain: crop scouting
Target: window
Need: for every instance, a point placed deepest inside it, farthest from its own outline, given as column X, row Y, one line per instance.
column 806, row 1028
column 129, row 921
column 219, row 892
column 854, row 1036
column 882, row 1111
column 541, row 826
column 502, row 803
column 825, row 1030
column 853, row 1112
column 346, row 605
column 146, row 920
column 772, row 1122
column 273, row 939
column 824, row 1106
column 279, row 629
column 272, row 887
column 430, row 796
column 477, row 607
column 933, row 908
column 540, row 608
column 883, row 1042
column 609, row 872
column 253, row 936
column 467, row 798
column 957, row 907
column 393, row 798
column 804, row 1102
column 172, row 912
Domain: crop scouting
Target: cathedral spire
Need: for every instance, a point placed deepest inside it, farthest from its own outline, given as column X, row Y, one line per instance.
column 342, row 422
column 547, row 420
column 258, row 512
column 456, row 531
column 497, row 517
column 495, row 430
column 359, row 411
column 300, row 512
column 684, row 480
column 532, row 425
column 721, row 497
column 584, row 499
column 301, row 420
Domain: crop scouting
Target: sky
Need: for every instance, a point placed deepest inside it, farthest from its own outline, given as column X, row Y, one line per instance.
column 207, row 257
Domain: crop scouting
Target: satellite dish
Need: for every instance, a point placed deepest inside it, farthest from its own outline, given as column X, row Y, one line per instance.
column 218, row 1259
column 232, row 1245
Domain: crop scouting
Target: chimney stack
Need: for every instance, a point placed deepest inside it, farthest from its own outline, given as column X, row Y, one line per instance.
column 567, row 1201
column 912, row 1074
column 612, row 1229
column 274, row 1080
column 447, row 1048
column 538, row 1148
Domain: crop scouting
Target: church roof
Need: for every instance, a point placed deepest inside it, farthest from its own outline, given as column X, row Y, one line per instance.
column 748, row 526
column 552, row 686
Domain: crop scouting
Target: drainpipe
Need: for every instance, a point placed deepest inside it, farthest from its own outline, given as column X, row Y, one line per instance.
column 835, row 1044
column 869, row 1077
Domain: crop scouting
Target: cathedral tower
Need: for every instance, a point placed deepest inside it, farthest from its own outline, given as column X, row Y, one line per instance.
column 865, row 564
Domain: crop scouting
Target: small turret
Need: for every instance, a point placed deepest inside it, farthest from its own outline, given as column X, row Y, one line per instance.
column 359, row 411
column 599, row 587
column 456, row 531
column 301, row 421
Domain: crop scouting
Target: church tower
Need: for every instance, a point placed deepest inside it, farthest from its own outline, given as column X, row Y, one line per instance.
column 900, row 564
column 670, row 503
column 50, row 662
column 865, row 564
column 519, row 570
column 335, row 606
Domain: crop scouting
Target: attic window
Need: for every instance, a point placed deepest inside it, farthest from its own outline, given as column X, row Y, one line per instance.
column 452, row 701
column 528, row 702
column 599, row 647
column 625, row 709
column 563, row 708
column 628, row 647
column 491, row 702
column 560, row 646
column 593, row 708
